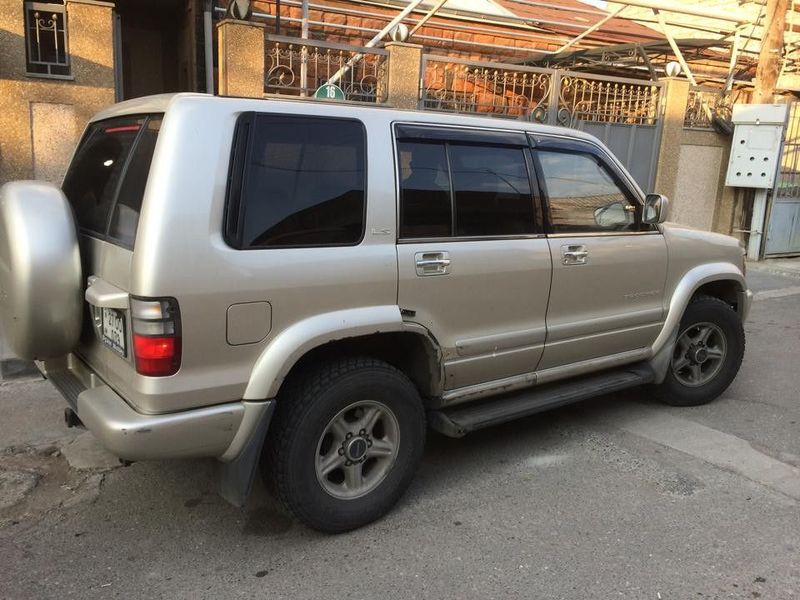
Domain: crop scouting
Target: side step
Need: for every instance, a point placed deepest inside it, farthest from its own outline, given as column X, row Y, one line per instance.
column 460, row 420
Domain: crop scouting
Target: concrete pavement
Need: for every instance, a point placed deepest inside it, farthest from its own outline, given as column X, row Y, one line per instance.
column 618, row 497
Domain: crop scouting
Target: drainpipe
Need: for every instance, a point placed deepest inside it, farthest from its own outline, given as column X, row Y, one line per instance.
column 304, row 53
column 208, row 45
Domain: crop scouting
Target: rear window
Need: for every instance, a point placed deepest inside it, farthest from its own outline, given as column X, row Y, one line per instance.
column 105, row 182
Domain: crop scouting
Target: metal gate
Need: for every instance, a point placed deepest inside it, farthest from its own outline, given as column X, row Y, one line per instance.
column 783, row 231
column 623, row 113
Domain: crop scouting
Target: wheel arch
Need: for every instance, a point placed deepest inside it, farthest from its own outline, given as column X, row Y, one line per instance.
column 721, row 280
column 378, row 332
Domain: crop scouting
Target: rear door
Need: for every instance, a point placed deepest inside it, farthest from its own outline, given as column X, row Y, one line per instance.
column 609, row 268
column 105, row 186
column 474, row 265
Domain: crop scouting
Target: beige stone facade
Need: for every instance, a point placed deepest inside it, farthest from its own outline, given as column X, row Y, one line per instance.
column 42, row 118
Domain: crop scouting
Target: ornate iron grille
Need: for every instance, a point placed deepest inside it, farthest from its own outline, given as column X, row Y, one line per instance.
column 582, row 98
column 705, row 102
column 486, row 89
column 788, row 184
column 298, row 67
column 536, row 94
column 46, row 47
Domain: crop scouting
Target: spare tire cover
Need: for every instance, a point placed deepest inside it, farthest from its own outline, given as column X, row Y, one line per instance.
column 41, row 303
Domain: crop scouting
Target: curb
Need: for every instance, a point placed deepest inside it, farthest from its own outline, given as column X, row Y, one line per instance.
column 765, row 267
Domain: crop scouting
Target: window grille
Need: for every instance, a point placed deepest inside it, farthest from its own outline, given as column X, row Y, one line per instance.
column 47, row 51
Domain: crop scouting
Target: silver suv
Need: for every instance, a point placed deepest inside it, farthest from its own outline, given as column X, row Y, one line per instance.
column 307, row 286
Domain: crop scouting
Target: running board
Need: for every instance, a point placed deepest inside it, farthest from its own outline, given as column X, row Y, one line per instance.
column 459, row 421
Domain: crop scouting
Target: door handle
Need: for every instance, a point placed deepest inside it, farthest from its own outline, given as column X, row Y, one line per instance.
column 432, row 263
column 574, row 254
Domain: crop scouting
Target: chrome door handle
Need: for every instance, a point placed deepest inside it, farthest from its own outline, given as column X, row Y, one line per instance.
column 574, row 254
column 442, row 262
column 432, row 263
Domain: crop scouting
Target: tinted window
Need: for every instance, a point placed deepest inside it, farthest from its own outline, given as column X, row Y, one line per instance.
column 92, row 179
column 492, row 191
column 304, row 183
column 583, row 195
column 424, row 191
column 457, row 189
column 125, row 218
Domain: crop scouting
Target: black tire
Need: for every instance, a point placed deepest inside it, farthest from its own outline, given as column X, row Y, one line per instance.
column 706, row 309
column 304, row 411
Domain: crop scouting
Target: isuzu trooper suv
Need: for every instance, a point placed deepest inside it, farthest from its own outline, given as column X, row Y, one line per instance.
column 307, row 286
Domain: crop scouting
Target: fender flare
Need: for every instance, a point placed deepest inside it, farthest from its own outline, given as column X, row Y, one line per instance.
column 691, row 281
column 283, row 352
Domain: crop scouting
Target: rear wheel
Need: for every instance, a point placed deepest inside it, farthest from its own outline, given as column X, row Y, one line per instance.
column 707, row 354
column 346, row 440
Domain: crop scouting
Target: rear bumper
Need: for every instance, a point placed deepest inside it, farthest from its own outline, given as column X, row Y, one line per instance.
column 214, row 431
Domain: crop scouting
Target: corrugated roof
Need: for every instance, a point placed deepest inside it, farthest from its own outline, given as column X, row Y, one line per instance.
column 614, row 31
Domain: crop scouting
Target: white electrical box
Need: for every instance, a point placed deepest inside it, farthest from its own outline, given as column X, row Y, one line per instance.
column 756, row 147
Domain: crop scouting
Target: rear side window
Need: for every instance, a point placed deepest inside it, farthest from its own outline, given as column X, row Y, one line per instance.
column 125, row 216
column 303, row 183
column 424, row 191
column 111, row 165
column 492, row 191
column 451, row 189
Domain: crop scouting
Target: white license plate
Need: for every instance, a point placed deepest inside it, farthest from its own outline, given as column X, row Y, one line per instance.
column 114, row 330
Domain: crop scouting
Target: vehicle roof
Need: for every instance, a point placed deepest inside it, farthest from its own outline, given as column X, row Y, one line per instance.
column 163, row 102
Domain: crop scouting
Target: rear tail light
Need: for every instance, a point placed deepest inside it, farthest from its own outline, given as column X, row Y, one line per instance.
column 156, row 336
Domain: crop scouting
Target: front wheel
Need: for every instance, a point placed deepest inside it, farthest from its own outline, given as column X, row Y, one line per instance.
column 707, row 353
column 345, row 443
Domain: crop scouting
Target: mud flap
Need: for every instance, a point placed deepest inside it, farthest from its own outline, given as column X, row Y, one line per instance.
column 237, row 475
column 663, row 358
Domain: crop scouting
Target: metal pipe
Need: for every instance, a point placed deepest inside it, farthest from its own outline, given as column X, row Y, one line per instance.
column 426, row 37
column 667, row 5
column 688, row 9
column 304, row 50
column 674, row 46
column 591, row 29
column 734, row 57
column 208, row 43
column 757, row 224
column 519, row 24
column 378, row 37
column 427, row 16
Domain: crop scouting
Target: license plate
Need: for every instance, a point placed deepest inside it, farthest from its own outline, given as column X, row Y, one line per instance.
column 114, row 330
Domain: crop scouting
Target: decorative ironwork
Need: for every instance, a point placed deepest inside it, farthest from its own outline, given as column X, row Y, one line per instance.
column 542, row 95
column 788, row 183
column 298, row 67
column 487, row 89
column 704, row 103
column 583, row 98
column 46, row 39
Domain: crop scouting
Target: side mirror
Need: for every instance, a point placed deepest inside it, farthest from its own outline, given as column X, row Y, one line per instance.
column 656, row 208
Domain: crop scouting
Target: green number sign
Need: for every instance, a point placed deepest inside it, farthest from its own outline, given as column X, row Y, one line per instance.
column 329, row 91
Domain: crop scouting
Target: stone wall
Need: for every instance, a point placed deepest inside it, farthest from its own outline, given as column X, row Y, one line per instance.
column 42, row 118
column 691, row 168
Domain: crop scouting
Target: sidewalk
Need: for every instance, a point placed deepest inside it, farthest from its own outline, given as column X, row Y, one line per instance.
column 789, row 267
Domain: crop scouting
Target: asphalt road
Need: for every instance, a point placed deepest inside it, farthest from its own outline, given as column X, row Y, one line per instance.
column 618, row 497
